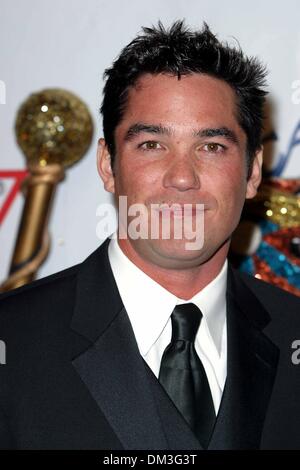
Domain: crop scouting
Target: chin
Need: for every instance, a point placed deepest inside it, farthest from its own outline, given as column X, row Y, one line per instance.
column 177, row 251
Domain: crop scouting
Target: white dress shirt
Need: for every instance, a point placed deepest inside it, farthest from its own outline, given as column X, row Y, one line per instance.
column 149, row 307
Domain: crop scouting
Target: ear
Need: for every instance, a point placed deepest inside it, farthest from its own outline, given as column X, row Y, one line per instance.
column 255, row 176
column 104, row 166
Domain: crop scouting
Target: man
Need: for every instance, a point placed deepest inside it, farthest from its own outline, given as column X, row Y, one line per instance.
column 153, row 342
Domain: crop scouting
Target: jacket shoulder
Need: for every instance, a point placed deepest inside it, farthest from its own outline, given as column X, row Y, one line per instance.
column 44, row 295
column 280, row 304
column 267, row 289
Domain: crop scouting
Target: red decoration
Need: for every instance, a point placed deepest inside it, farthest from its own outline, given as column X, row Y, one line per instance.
column 18, row 176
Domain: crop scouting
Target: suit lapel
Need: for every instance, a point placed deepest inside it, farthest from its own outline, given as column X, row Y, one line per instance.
column 115, row 376
column 119, row 380
column 251, row 369
column 178, row 434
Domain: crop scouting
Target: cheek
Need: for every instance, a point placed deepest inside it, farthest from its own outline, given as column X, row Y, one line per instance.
column 229, row 188
column 138, row 186
column 141, row 179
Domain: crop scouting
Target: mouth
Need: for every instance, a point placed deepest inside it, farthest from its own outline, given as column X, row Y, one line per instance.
column 181, row 210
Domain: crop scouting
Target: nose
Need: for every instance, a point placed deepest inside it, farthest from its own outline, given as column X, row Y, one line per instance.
column 181, row 175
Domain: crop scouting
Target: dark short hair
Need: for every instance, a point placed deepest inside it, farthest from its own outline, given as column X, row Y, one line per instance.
column 180, row 51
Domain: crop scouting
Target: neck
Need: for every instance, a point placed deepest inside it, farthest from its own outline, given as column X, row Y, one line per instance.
column 184, row 283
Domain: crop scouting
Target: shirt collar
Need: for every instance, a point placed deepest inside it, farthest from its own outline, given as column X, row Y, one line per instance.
column 149, row 305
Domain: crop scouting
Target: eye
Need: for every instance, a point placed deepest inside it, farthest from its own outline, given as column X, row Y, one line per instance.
column 213, row 147
column 150, row 145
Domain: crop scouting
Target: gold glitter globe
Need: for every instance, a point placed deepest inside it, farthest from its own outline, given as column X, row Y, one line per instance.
column 54, row 126
column 279, row 206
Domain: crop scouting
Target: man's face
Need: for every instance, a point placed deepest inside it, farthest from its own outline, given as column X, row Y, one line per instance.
column 180, row 142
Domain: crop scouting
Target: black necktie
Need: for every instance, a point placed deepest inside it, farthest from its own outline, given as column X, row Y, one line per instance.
column 183, row 376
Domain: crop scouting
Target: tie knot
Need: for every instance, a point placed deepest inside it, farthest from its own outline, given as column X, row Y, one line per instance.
column 186, row 319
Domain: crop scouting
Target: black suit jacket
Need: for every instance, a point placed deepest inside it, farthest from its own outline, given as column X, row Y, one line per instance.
column 74, row 378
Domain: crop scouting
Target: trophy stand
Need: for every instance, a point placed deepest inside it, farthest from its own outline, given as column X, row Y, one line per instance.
column 54, row 130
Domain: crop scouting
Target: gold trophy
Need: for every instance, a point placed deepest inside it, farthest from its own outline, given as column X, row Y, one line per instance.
column 54, row 130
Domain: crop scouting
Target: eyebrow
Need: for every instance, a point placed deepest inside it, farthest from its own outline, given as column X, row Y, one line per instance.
column 218, row 132
column 140, row 127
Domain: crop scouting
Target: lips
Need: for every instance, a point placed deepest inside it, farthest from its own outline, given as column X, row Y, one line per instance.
column 181, row 210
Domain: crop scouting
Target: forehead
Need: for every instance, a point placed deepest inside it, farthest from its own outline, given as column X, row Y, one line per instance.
column 193, row 100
